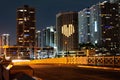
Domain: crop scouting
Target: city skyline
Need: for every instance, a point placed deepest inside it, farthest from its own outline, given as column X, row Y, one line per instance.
column 45, row 13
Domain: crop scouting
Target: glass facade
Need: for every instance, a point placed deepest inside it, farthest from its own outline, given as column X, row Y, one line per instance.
column 95, row 25
column 84, row 25
column 48, row 37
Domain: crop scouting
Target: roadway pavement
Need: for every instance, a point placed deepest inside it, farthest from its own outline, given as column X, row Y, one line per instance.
column 74, row 72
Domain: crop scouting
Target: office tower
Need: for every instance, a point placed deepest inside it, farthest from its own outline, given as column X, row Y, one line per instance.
column 5, row 40
column 95, row 25
column 48, row 36
column 105, row 21
column 38, row 38
column 84, row 25
column 67, row 31
column 26, row 27
column 110, row 26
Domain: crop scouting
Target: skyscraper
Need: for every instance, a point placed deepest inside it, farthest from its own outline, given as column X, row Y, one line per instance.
column 26, row 27
column 104, row 26
column 38, row 38
column 110, row 26
column 67, row 31
column 95, row 25
column 48, row 36
column 84, row 25
column 5, row 41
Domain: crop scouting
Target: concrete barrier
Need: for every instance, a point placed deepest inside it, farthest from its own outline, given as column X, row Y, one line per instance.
column 13, row 72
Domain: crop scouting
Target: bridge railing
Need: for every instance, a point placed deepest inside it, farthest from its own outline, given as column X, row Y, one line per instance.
column 93, row 60
column 104, row 61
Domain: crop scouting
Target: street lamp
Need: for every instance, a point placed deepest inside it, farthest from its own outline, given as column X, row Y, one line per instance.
column 66, row 47
column 5, row 47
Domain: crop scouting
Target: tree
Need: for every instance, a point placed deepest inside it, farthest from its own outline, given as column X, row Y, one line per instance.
column 86, row 46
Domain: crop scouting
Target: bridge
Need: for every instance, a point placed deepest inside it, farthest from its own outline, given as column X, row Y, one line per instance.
column 83, row 60
column 69, row 68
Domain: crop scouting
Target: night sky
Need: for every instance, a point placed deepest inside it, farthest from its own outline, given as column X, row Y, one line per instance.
column 46, row 11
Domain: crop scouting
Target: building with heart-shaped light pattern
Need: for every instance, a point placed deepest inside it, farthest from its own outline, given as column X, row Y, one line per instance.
column 67, row 31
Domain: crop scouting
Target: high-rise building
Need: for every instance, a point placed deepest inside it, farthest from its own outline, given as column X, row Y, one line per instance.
column 48, row 42
column 67, row 31
column 110, row 26
column 26, row 27
column 38, row 38
column 95, row 25
column 104, row 26
column 84, row 25
column 5, row 40
column 48, row 36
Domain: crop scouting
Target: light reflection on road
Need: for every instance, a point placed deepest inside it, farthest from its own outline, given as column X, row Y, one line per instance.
column 98, row 67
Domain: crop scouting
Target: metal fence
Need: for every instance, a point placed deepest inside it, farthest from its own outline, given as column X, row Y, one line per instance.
column 104, row 61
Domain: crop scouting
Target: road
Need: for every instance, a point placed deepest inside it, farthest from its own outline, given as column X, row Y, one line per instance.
column 72, row 72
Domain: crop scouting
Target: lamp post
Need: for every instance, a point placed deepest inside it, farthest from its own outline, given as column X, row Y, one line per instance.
column 66, row 47
column 5, row 47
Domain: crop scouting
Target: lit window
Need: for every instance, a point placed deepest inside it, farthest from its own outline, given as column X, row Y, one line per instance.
column 96, row 41
column 107, row 17
column 32, row 27
column 26, row 30
column 117, row 15
column 88, row 33
column 25, row 19
column 31, row 11
column 104, row 32
column 26, row 35
column 20, row 41
column 20, row 22
column 113, row 8
column 20, row 19
column 108, row 39
column 25, row 10
column 20, row 38
column 21, row 10
column 96, row 26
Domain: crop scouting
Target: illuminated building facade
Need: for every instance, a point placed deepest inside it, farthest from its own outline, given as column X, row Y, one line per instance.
column 38, row 38
column 26, row 26
column 5, row 39
column 67, row 31
column 99, row 25
column 104, row 26
column 84, row 25
column 95, row 25
column 110, row 26
column 48, row 36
